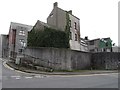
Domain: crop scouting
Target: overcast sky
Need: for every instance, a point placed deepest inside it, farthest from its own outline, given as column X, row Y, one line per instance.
column 98, row 18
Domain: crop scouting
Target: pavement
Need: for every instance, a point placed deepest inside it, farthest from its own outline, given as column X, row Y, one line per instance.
column 31, row 71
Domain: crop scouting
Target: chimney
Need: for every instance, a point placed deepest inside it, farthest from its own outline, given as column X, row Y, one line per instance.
column 70, row 12
column 55, row 4
column 86, row 37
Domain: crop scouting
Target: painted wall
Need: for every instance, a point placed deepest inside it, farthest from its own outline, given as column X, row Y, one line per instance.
column 75, row 45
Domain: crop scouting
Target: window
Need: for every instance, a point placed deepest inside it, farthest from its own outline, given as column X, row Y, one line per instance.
column 22, row 42
column 22, row 32
column 92, row 50
column 70, row 35
column 20, row 50
column 70, row 23
column 75, row 25
column 106, row 44
column 104, row 50
column 75, row 37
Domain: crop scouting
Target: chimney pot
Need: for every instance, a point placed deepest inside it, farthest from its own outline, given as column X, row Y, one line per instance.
column 86, row 37
column 55, row 4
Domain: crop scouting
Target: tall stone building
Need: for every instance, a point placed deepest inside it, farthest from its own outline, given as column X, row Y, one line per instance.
column 61, row 19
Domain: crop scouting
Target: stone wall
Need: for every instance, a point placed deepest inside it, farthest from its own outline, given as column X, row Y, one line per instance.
column 80, row 60
column 63, row 59
column 52, row 57
column 105, row 60
column 66, row 59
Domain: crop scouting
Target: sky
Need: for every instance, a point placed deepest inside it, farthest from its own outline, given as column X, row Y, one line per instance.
column 98, row 18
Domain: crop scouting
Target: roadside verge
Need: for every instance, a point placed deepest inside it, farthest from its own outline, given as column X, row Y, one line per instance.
column 13, row 66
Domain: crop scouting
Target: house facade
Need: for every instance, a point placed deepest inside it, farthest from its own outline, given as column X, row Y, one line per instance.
column 100, row 45
column 18, row 37
column 60, row 19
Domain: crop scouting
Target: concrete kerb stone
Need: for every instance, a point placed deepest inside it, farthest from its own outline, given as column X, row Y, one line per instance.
column 60, row 73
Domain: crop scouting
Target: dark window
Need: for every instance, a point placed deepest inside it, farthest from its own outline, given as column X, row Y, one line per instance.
column 70, row 23
column 92, row 50
column 71, row 35
column 75, row 37
column 20, row 50
column 75, row 25
column 104, row 50
column 106, row 44
column 97, row 50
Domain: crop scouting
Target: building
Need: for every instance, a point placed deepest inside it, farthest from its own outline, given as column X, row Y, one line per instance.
column 100, row 45
column 40, row 25
column 84, row 45
column 18, row 37
column 61, row 20
column 116, row 49
column 3, row 46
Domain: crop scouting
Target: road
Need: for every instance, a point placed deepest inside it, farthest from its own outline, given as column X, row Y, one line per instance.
column 14, row 79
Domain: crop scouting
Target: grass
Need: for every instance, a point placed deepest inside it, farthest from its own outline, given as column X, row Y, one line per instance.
column 72, row 70
column 13, row 65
